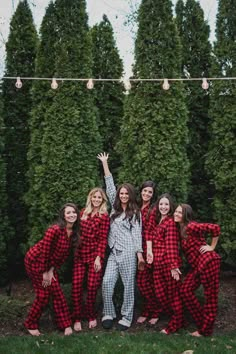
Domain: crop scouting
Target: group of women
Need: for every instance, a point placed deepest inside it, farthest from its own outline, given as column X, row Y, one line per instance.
column 148, row 236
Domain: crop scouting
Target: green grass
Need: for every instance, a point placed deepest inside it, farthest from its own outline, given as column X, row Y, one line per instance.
column 123, row 343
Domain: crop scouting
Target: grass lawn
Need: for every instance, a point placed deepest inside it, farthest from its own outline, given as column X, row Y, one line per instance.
column 114, row 342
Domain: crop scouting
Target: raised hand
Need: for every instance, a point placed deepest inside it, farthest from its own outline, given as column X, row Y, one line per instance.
column 103, row 156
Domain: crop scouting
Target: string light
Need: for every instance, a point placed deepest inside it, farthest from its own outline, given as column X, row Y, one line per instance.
column 166, row 85
column 126, row 82
column 205, row 84
column 18, row 83
column 90, row 84
column 54, row 84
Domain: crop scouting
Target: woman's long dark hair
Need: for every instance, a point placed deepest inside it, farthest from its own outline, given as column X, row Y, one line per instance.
column 152, row 185
column 132, row 205
column 171, row 211
column 187, row 216
column 62, row 223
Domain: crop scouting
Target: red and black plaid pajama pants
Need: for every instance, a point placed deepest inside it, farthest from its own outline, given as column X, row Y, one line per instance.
column 203, row 315
column 146, row 287
column 61, row 309
column 94, row 280
column 167, row 291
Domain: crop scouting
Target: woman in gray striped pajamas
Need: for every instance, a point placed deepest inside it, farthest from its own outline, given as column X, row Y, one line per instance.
column 125, row 242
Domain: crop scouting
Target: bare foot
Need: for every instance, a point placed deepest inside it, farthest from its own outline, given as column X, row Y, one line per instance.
column 195, row 334
column 153, row 321
column 77, row 327
column 34, row 332
column 68, row 331
column 92, row 324
column 163, row 331
column 141, row 319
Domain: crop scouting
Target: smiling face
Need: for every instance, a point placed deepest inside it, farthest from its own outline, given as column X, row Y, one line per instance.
column 124, row 196
column 164, row 206
column 178, row 214
column 96, row 200
column 146, row 194
column 70, row 215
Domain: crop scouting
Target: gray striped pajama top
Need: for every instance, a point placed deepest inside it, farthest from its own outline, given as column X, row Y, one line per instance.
column 124, row 234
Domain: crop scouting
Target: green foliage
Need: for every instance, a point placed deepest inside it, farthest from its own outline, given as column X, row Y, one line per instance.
column 222, row 150
column 12, row 309
column 5, row 230
column 196, row 56
column 42, row 96
column 109, row 95
column 70, row 138
column 17, row 103
column 154, row 131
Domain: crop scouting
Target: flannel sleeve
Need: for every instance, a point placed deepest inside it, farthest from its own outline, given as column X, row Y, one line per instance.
column 151, row 225
column 103, row 234
column 172, row 244
column 204, row 228
column 110, row 189
column 48, row 240
column 136, row 231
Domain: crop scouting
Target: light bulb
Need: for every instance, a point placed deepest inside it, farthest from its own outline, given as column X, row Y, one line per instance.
column 166, row 84
column 127, row 84
column 54, row 84
column 90, row 84
column 205, row 84
column 18, row 83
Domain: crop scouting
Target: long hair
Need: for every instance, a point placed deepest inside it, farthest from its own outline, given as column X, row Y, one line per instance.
column 61, row 222
column 187, row 216
column 152, row 185
column 89, row 207
column 171, row 211
column 132, row 205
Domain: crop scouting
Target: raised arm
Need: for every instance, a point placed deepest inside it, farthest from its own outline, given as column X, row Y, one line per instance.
column 110, row 187
column 103, row 157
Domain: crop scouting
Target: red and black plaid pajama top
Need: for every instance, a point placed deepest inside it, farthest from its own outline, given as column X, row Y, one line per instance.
column 51, row 251
column 93, row 241
column 205, row 270
column 145, row 277
column 165, row 246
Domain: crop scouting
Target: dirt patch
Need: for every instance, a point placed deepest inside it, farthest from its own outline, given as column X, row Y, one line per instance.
column 13, row 309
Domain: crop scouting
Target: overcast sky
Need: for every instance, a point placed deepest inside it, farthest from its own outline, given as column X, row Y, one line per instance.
column 116, row 10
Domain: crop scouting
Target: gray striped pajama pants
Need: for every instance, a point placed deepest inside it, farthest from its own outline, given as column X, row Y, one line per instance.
column 121, row 263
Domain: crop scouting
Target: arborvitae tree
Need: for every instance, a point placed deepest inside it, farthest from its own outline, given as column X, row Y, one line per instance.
column 196, row 57
column 42, row 96
column 5, row 231
column 70, row 140
column 222, row 152
column 154, row 132
column 107, row 64
column 17, row 104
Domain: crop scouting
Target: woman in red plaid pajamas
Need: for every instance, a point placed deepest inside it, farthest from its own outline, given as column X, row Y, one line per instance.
column 145, row 276
column 41, row 263
column 94, row 227
column 205, row 268
column 162, row 250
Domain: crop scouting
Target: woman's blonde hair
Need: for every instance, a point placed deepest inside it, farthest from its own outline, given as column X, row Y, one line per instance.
column 89, row 208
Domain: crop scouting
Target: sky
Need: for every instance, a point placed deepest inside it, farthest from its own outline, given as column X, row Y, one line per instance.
column 117, row 12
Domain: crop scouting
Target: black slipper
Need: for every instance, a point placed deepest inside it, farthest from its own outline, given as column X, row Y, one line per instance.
column 107, row 324
column 121, row 327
